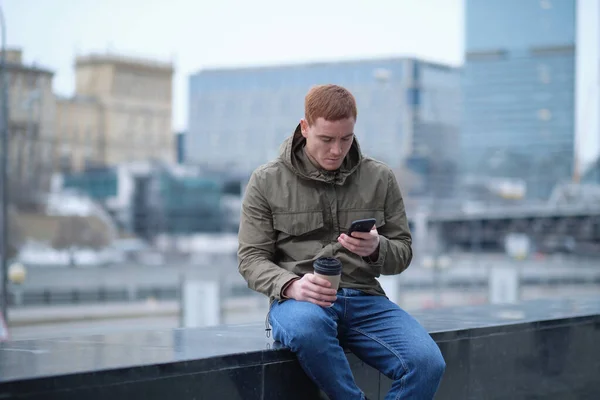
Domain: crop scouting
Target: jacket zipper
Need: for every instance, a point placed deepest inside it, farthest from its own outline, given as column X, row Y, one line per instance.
column 333, row 215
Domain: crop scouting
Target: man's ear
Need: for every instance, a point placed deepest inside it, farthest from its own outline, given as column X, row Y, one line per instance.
column 304, row 127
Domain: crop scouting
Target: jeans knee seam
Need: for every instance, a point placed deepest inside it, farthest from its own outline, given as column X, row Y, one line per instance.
column 391, row 350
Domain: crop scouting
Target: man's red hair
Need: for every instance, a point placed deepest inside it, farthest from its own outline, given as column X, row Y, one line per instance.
column 330, row 102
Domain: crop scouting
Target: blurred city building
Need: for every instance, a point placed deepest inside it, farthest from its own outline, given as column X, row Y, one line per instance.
column 31, row 127
column 135, row 210
column 180, row 147
column 592, row 173
column 408, row 109
column 530, row 91
column 147, row 199
column 121, row 111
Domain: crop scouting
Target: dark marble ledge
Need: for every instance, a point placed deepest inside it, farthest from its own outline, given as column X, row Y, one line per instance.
column 99, row 360
column 495, row 330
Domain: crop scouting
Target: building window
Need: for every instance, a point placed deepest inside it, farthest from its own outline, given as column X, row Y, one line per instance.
column 544, row 74
column 89, row 135
column 414, row 97
column 382, row 74
column 30, row 81
column 544, row 114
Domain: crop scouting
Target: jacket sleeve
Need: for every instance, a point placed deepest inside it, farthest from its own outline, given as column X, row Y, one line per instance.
column 257, row 244
column 395, row 240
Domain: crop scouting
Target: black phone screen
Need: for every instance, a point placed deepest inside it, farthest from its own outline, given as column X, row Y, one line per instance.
column 362, row 225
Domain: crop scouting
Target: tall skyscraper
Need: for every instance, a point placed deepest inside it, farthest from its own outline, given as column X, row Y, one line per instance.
column 587, row 89
column 522, row 97
column 239, row 117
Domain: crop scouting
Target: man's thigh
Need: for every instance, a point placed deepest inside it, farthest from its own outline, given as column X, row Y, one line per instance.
column 386, row 337
column 299, row 321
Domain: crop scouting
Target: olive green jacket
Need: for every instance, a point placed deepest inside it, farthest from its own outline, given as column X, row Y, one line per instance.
column 293, row 213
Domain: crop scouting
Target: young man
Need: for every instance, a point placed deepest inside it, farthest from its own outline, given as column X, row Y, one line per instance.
column 297, row 209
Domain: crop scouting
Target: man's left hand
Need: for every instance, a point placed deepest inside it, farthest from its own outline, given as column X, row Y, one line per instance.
column 365, row 244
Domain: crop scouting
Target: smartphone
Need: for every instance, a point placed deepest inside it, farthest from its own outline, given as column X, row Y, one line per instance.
column 362, row 225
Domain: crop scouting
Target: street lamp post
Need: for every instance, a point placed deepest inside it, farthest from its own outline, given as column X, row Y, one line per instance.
column 437, row 263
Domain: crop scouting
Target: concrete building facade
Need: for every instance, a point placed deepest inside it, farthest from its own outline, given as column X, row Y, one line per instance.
column 121, row 112
column 31, row 118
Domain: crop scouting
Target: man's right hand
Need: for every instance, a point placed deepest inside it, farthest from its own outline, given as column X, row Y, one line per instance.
column 313, row 289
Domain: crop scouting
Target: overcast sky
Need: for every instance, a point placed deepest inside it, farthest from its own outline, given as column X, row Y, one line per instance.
column 201, row 33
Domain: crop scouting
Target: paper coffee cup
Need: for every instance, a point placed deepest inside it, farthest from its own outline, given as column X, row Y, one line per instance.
column 329, row 268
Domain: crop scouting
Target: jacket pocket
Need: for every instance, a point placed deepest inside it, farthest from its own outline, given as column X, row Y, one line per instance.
column 347, row 216
column 299, row 235
column 298, row 223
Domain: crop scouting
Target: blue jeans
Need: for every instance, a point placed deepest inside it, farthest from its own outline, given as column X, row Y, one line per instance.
column 376, row 330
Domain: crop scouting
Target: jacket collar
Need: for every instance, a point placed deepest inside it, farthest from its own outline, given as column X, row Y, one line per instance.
column 294, row 156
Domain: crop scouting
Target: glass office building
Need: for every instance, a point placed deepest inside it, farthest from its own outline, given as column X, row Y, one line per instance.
column 148, row 199
column 519, row 91
column 238, row 118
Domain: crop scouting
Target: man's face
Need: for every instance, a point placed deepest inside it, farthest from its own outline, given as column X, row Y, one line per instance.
column 328, row 142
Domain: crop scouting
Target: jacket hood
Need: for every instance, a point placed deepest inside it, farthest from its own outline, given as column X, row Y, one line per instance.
column 294, row 156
